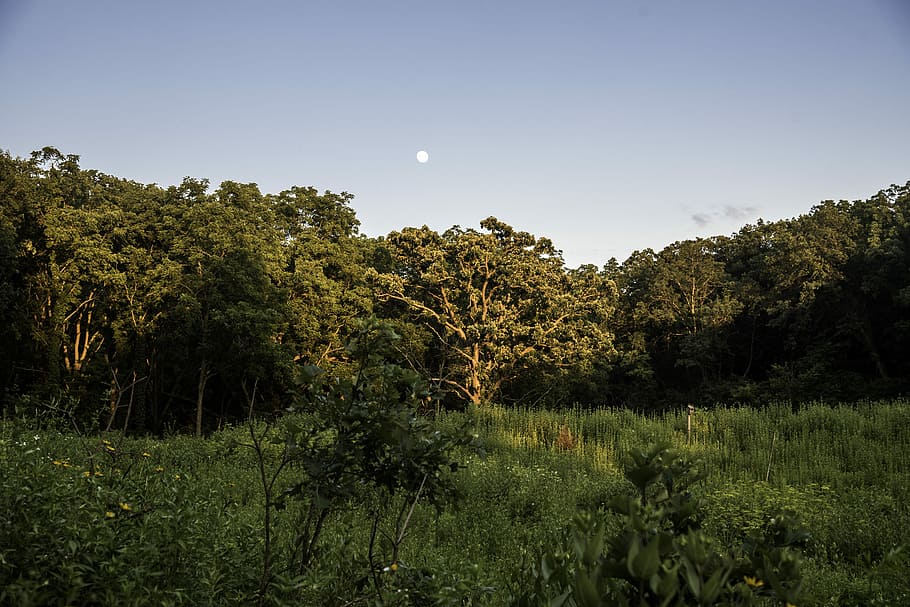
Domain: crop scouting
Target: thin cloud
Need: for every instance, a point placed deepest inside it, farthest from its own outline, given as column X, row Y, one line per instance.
column 728, row 211
column 739, row 212
column 701, row 219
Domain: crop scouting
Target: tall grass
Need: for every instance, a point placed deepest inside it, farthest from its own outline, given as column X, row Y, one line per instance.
column 840, row 446
column 845, row 469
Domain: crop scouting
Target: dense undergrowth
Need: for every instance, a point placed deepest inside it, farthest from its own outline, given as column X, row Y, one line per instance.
column 102, row 519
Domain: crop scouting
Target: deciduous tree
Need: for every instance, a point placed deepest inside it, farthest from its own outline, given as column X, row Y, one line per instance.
column 498, row 302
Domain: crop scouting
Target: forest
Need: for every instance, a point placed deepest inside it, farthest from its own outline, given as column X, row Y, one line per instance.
column 215, row 396
column 170, row 303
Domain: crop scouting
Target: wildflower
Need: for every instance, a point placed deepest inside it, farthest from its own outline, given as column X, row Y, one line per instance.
column 159, row 468
column 86, row 473
column 393, row 567
column 125, row 506
column 109, row 514
column 146, row 454
column 177, row 477
column 98, row 473
column 754, row 582
column 106, row 442
column 57, row 462
column 109, row 448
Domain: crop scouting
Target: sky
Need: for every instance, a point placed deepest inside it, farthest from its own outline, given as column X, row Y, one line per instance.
column 607, row 126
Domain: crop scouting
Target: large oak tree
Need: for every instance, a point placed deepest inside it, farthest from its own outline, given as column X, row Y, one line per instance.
column 499, row 303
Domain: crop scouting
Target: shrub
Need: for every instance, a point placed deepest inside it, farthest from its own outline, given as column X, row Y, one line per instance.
column 661, row 556
column 358, row 438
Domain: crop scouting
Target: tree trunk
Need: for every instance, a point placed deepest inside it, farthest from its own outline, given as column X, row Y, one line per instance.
column 200, row 395
column 476, row 387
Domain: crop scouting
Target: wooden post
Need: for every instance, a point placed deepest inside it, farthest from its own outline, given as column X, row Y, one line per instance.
column 691, row 410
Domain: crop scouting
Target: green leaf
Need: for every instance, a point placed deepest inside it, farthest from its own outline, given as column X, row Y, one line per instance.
column 642, row 476
column 712, row 587
column 594, row 547
column 648, row 560
column 546, row 570
column 560, row 600
column 585, row 591
column 631, row 556
column 692, row 577
column 669, row 584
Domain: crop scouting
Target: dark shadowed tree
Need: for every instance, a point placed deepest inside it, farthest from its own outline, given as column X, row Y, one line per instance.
column 679, row 303
column 223, row 307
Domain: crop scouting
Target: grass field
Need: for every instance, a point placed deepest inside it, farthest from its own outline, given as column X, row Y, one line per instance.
column 102, row 519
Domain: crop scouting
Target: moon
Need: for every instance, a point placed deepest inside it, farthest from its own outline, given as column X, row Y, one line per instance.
column 422, row 156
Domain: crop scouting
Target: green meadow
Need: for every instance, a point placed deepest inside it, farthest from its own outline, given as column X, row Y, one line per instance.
column 98, row 518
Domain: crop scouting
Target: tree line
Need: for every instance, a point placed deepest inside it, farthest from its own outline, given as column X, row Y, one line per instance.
column 169, row 307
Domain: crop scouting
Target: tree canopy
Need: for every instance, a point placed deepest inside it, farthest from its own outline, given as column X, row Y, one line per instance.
column 152, row 307
column 499, row 304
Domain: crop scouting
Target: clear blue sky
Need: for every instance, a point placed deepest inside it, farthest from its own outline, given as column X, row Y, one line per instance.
column 606, row 126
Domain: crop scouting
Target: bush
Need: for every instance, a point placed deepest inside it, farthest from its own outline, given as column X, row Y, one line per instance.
column 93, row 522
column 661, row 556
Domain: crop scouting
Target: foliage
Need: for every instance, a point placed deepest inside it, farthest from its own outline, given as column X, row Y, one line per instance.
column 198, row 539
column 660, row 556
column 499, row 304
column 358, row 437
column 222, row 307
column 680, row 301
column 89, row 521
column 324, row 264
column 159, row 307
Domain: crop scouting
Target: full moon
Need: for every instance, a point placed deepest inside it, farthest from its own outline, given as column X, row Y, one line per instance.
column 422, row 156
